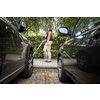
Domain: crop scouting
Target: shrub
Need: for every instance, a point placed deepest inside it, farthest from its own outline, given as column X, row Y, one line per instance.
column 36, row 40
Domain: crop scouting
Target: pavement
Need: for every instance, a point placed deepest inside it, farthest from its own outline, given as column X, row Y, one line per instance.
column 43, row 73
column 39, row 77
column 40, row 64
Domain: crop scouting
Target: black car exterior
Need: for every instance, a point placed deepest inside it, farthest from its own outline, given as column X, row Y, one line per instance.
column 16, row 54
column 79, row 57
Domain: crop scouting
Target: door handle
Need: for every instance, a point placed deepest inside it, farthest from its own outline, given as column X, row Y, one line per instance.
column 9, row 30
column 79, row 37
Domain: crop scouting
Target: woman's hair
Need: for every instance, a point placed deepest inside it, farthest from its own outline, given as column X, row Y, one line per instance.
column 49, row 25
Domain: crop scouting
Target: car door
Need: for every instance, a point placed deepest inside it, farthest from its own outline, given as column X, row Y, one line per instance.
column 83, row 40
column 8, row 56
column 1, row 45
column 17, row 44
column 6, row 50
column 67, row 53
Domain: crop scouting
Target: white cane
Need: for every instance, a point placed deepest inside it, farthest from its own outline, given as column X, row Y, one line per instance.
column 37, row 49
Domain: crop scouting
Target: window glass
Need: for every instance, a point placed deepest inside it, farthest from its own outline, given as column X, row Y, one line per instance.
column 11, row 20
column 85, row 23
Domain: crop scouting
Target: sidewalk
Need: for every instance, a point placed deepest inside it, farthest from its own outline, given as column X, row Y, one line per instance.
column 40, row 64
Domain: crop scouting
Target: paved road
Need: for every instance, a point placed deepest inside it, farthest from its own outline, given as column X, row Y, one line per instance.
column 43, row 73
column 39, row 77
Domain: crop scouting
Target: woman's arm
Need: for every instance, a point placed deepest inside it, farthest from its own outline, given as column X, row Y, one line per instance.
column 49, row 35
column 43, row 40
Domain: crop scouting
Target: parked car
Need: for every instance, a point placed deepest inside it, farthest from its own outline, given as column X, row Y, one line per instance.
column 79, row 57
column 16, row 54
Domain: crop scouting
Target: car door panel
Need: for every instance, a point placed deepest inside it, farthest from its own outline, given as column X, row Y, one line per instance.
column 88, row 43
column 7, row 50
column 67, row 53
column 17, row 45
column 11, row 57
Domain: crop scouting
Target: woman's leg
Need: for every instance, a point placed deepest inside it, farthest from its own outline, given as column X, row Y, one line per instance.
column 45, row 52
column 49, row 50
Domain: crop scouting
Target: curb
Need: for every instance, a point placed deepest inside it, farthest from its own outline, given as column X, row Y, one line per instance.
column 45, row 68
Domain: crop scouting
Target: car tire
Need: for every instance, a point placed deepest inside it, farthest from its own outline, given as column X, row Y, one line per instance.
column 28, row 66
column 84, row 61
column 61, row 73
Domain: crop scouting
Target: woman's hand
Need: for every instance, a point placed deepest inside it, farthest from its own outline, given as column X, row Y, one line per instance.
column 43, row 41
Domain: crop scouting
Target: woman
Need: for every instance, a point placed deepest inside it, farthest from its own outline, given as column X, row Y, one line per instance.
column 47, row 46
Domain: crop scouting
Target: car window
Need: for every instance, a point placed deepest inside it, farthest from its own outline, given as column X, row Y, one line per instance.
column 84, row 24
column 11, row 20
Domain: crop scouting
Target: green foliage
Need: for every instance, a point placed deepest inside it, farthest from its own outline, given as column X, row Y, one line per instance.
column 69, row 22
column 36, row 40
column 34, row 24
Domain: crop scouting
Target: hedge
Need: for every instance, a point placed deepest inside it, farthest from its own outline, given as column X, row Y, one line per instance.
column 36, row 40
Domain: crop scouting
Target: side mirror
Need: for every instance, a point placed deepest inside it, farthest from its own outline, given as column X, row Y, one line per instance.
column 63, row 30
column 21, row 26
